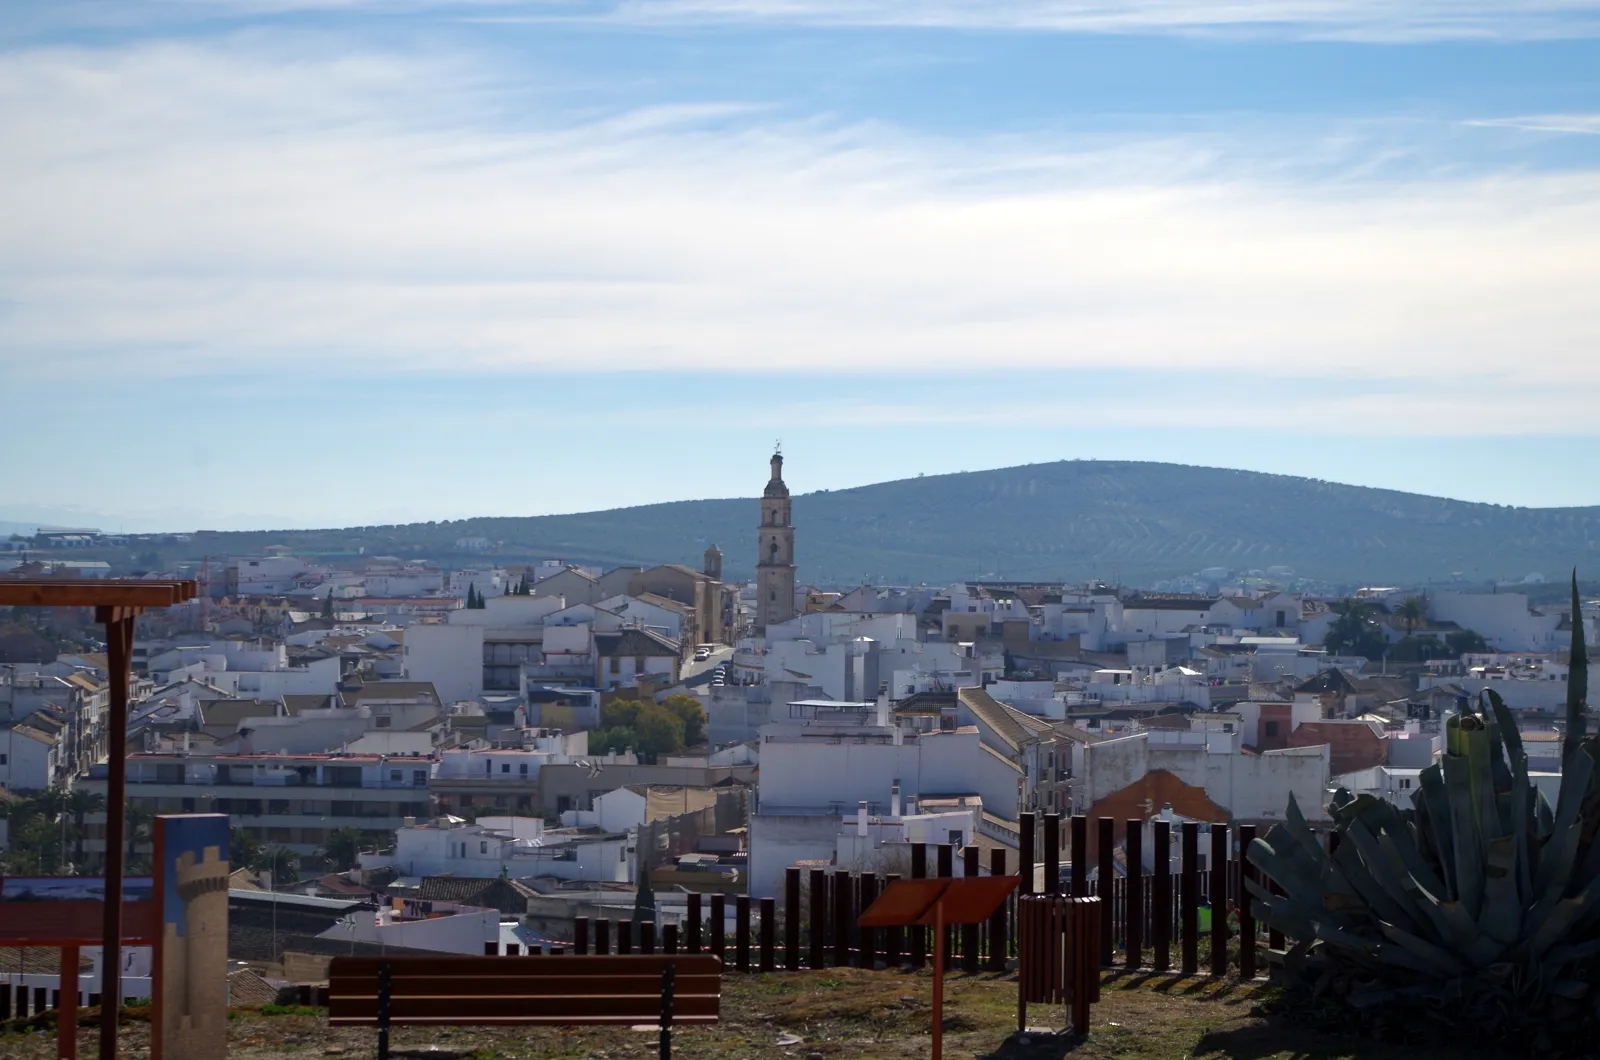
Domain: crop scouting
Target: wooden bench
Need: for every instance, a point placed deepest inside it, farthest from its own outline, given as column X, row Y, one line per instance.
column 661, row 991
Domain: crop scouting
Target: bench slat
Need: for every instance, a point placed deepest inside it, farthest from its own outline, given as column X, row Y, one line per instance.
column 639, row 1010
column 541, row 1021
column 502, row 986
column 563, row 966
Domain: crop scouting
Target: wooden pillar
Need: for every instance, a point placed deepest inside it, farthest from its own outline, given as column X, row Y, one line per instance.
column 969, row 932
column 843, row 906
column 1247, row 918
column 1133, row 931
column 1052, row 853
column 580, row 935
column 1189, row 909
column 947, row 869
column 894, row 938
column 669, row 939
column 791, row 919
column 696, row 923
column 1161, row 896
column 1080, row 856
column 867, row 948
column 741, row 928
column 602, row 936
column 647, row 938
column 624, row 936
column 918, row 935
column 67, row 1008
column 769, row 914
column 119, row 661
column 719, row 927
column 998, row 937
column 1108, row 874
column 819, row 918
column 1025, row 857
column 1219, row 900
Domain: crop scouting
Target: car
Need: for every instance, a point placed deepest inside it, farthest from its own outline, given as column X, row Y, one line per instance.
column 702, row 654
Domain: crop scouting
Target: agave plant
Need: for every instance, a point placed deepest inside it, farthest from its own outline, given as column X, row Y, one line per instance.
column 1481, row 903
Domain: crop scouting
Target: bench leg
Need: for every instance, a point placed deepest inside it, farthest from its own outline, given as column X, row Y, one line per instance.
column 383, row 1011
column 668, row 978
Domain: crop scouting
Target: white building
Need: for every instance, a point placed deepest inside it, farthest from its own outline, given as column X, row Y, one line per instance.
column 516, row 847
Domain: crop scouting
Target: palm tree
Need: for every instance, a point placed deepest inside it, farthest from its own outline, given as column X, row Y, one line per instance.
column 1413, row 612
column 138, row 821
column 342, row 850
column 284, row 864
column 245, row 850
column 80, row 803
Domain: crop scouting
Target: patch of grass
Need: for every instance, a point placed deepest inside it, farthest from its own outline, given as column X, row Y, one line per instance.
column 274, row 1009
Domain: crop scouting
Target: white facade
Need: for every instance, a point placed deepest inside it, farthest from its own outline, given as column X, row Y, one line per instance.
column 516, row 847
column 27, row 758
column 1503, row 619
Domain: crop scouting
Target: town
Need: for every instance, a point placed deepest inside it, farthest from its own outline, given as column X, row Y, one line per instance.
column 485, row 758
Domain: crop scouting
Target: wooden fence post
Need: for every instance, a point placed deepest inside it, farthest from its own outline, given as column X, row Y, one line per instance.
column 696, row 923
column 624, row 936
column 602, row 936
column 843, row 906
column 1080, row 856
column 719, row 927
column 1025, row 855
column 969, row 932
column 1247, row 917
column 580, row 935
column 1275, row 937
column 1161, row 896
column 894, row 941
column 1219, row 900
column 741, row 927
column 1052, row 853
column 1189, row 909
column 791, row 919
column 647, row 937
column 947, row 869
column 1108, row 874
column 918, row 935
column 867, row 950
column 819, row 918
column 997, row 923
column 769, row 914
column 1133, row 919
column 669, row 938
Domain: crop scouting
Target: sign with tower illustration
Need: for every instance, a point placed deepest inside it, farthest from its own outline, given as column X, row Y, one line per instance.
column 190, row 1017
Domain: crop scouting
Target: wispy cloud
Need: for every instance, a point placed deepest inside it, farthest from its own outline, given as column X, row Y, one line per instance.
column 1363, row 20
column 1583, row 124
column 178, row 209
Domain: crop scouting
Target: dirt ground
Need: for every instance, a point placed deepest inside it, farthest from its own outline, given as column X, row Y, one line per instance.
column 812, row 1015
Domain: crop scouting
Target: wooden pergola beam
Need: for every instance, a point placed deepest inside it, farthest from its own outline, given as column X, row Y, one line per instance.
column 92, row 592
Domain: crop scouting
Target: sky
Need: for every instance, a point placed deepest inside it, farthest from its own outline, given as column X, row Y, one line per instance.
column 275, row 263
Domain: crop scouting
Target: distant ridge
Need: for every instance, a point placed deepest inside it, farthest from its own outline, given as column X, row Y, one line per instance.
column 1071, row 519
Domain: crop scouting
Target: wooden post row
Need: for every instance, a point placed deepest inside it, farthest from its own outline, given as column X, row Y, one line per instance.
column 696, row 923
column 819, row 918
column 918, row 935
column 1025, row 834
column 1080, row 856
column 997, row 923
column 1052, row 853
column 969, row 932
column 1189, row 912
column 741, row 920
column 1247, row 917
column 769, row 928
column 946, row 871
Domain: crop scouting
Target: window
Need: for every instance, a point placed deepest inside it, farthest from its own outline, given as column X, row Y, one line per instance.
column 1272, row 728
column 955, row 837
column 394, row 776
column 505, row 767
column 483, row 847
column 419, row 778
column 523, row 769
column 1405, row 782
column 622, row 853
column 616, row 664
column 382, row 722
column 1283, row 619
column 2, row 760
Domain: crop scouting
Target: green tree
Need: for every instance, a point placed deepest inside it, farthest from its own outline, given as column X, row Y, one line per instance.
column 80, row 803
column 1464, row 641
column 621, row 713
column 693, row 715
column 1356, row 631
column 658, row 731
column 1419, row 649
column 342, row 849
column 327, row 606
column 139, row 823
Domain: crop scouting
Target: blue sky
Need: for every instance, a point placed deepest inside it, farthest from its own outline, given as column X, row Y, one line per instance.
column 355, row 261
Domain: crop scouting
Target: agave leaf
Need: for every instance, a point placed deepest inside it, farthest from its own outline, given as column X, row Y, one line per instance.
column 1566, row 954
column 1439, row 961
column 1502, row 911
column 1543, row 813
column 1434, row 831
column 1554, row 871
column 1367, row 869
column 1464, row 830
column 1417, row 881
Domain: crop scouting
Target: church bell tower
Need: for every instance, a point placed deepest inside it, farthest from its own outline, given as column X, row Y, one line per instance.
column 775, row 556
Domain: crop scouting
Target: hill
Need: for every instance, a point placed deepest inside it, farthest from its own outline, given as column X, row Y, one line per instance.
column 1066, row 520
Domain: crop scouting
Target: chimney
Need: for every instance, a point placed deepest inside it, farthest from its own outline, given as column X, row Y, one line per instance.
column 884, row 718
column 911, row 805
column 894, row 799
column 409, row 822
column 861, row 819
